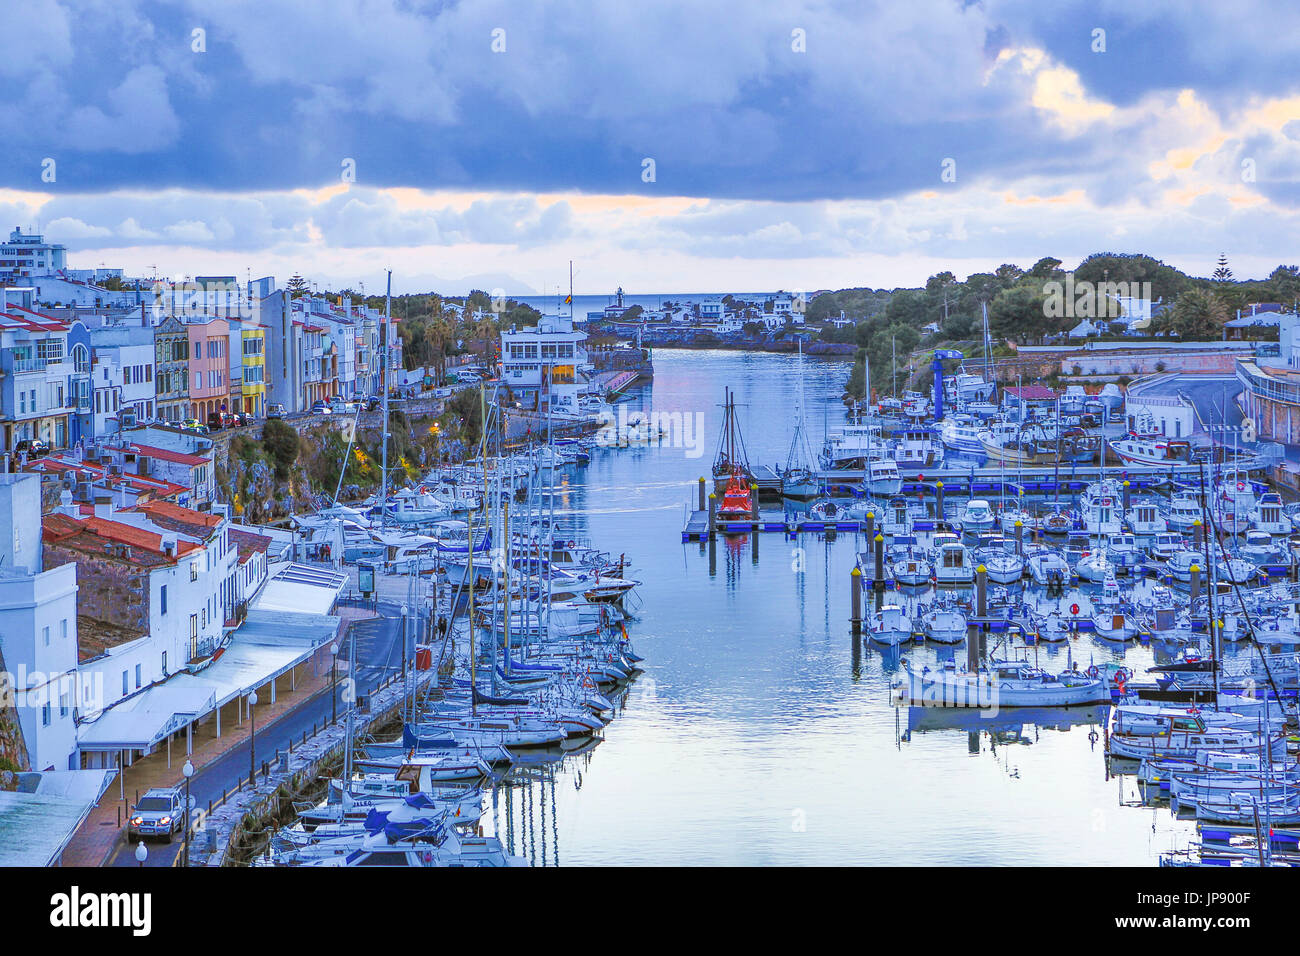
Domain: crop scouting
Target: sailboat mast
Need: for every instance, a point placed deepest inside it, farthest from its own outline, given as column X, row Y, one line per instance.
column 383, row 376
column 473, row 657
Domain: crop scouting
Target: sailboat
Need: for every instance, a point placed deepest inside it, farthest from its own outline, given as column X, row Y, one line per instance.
column 731, row 460
column 799, row 480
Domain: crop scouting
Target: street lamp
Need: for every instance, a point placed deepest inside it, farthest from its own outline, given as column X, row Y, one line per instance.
column 187, row 771
column 334, row 678
column 141, row 852
column 252, row 739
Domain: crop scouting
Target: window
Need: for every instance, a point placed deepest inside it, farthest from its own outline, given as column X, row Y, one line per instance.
column 63, row 703
column 45, row 636
column 194, row 570
column 45, row 715
column 124, row 684
column 164, row 663
column 137, row 676
column 162, row 600
column 63, row 628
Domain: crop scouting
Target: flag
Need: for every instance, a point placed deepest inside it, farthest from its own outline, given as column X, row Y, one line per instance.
column 568, row 300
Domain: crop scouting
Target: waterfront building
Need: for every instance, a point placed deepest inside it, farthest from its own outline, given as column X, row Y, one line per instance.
column 171, row 370
column 150, row 591
column 38, row 636
column 540, row 364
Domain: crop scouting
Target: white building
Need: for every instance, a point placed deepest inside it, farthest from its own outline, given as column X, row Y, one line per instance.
column 28, row 254
column 38, row 632
column 542, row 362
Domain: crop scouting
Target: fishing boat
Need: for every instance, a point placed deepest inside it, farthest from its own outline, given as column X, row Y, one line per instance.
column 952, row 561
column 1003, row 684
column 1144, row 517
column 890, row 626
column 1151, row 450
column 911, row 568
column 882, row 478
column 1048, row 568
column 730, row 461
column 916, row 447
column 961, row 435
column 736, row 502
column 1112, row 617
column 944, row 624
column 1179, row 564
column 1268, row 516
column 1164, row 545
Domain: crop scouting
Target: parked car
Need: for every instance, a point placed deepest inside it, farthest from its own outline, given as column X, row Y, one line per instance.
column 160, row 812
column 320, row 408
column 275, row 410
column 34, row 447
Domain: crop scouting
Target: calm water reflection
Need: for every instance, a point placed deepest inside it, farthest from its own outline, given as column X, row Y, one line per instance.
column 758, row 733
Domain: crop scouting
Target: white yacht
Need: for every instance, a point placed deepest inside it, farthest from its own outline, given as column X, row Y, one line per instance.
column 1144, row 517
column 883, row 478
column 1268, row 516
column 1184, row 510
column 976, row 516
column 952, row 561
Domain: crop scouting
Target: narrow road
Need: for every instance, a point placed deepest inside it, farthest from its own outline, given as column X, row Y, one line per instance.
column 379, row 653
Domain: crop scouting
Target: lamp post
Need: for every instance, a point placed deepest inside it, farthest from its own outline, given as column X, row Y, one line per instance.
column 187, row 771
column 141, row 852
column 334, row 679
column 252, row 739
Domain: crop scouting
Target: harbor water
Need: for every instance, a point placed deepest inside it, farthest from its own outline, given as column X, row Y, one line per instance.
column 760, row 734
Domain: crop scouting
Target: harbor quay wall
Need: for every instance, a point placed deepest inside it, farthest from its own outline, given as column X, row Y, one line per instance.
column 1029, row 363
column 290, row 773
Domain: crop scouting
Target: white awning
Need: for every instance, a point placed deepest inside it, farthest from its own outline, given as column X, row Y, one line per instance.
column 265, row 646
column 139, row 722
column 301, row 588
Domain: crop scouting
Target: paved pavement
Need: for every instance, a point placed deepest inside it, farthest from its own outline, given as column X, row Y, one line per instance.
column 1213, row 396
column 378, row 653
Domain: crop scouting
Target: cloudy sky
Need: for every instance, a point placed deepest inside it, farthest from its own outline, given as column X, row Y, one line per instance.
column 665, row 146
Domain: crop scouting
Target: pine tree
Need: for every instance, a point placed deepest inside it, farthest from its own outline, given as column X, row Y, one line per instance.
column 297, row 286
column 1223, row 273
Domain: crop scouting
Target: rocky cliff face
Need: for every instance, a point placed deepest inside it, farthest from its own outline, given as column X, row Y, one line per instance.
column 13, row 749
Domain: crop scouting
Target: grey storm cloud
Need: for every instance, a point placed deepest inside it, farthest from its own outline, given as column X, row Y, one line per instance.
column 775, row 100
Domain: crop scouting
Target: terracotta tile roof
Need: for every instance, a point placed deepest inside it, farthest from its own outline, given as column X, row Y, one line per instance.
column 87, row 533
column 165, row 454
column 249, row 544
column 166, row 509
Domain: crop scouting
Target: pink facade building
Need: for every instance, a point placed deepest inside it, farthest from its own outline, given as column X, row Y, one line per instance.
column 209, row 367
